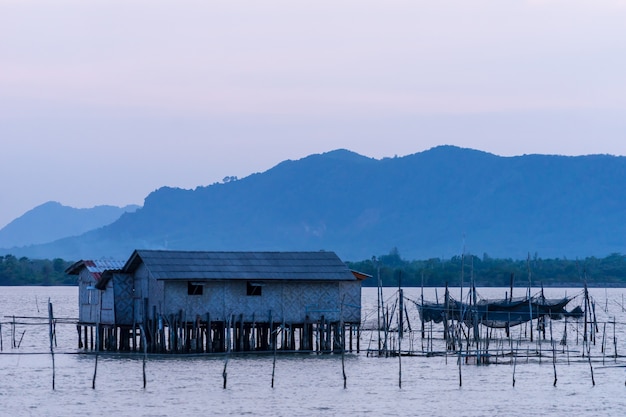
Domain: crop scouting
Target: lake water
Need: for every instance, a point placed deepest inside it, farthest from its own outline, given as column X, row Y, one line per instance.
column 311, row 385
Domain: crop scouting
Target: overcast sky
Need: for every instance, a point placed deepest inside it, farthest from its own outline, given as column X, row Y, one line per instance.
column 104, row 101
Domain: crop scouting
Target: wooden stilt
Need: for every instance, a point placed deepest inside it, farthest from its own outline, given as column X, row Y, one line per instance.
column 50, row 322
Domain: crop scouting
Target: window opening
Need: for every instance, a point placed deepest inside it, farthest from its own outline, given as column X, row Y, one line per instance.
column 194, row 288
column 254, row 288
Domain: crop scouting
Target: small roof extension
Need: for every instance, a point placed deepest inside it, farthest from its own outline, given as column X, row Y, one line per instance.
column 96, row 268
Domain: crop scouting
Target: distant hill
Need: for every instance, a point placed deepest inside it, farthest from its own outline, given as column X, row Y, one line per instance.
column 429, row 204
column 52, row 221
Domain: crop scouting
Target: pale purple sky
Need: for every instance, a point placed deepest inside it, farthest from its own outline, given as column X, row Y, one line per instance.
column 104, row 101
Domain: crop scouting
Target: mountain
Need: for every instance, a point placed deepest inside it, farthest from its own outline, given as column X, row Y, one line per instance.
column 52, row 221
column 429, row 204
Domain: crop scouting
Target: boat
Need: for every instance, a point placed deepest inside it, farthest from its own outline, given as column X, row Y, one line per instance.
column 497, row 313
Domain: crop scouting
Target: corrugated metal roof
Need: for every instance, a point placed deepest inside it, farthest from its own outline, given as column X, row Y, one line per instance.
column 198, row 265
column 95, row 267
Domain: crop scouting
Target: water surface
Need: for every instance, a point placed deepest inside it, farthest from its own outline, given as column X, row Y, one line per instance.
column 307, row 385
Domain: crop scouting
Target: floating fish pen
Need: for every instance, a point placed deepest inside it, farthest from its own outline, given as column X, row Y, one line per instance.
column 485, row 331
column 482, row 321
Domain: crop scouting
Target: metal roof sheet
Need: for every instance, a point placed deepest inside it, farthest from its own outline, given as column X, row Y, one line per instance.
column 199, row 265
column 95, row 267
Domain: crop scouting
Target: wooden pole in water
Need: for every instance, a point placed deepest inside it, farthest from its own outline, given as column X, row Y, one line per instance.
column 594, row 327
column 400, row 328
column 378, row 302
column 593, row 381
column 530, row 304
column 224, row 373
column 446, row 314
column 342, row 329
column 614, row 340
column 587, row 344
column 274, row 361
column 145, row 352
column 95, row 368
column 602, row 346
column 553, row 353
column 586, row 311
column 422, row 315
column 343, row 356
column 50, row 321
column 400, row 362
column 460, row 347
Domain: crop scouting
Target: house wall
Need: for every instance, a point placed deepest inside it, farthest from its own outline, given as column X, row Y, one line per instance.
column 88, row 298
column 287, row 301
column 291, row 301
column 350, row 293
column 145, row 287
column 123, row 289
column 107, row 299
column 140, row 286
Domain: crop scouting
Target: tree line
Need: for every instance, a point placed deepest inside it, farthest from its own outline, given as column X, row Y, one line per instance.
column 25, row 271
column 485, row 271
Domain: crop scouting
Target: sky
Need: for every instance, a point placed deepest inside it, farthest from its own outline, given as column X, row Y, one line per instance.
column 105, row 101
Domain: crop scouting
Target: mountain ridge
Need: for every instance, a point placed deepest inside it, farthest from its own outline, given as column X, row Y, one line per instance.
column 435, row 203
column 52, row 220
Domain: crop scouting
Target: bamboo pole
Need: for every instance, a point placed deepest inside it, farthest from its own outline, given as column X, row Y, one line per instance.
column 530, row 303
column 145, row 353
column 274, row 360
column 343, row 356
column 460, row 360
column 585, row 323
column 593, row 381
column 50, row 321
column 594, row 328
column 400, row 328
column 602, row 347
column 588, row 346
column 422, row 315
column 343, row 344
column 400, row 362
column 224, row 373
column 95, row 369
column 553, row 353
column 515, row 363
column 379, row 302
column 22, row 337
column 614, row 341
column 446, row 314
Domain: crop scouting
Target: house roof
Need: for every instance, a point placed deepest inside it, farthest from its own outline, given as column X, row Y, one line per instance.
column 198, row 265
column 95, row 267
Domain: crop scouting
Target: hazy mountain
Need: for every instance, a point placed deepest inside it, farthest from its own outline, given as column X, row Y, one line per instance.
column 52, row 221
column 429, row 204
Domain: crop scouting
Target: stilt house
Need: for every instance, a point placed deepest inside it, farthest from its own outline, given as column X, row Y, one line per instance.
column 94, row 306
column 182, row 301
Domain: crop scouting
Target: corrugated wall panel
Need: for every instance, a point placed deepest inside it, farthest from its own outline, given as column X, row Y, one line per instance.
column 123, row 289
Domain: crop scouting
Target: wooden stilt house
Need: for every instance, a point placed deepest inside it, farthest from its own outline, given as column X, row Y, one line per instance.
column 195, row 301
column 94, row 307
